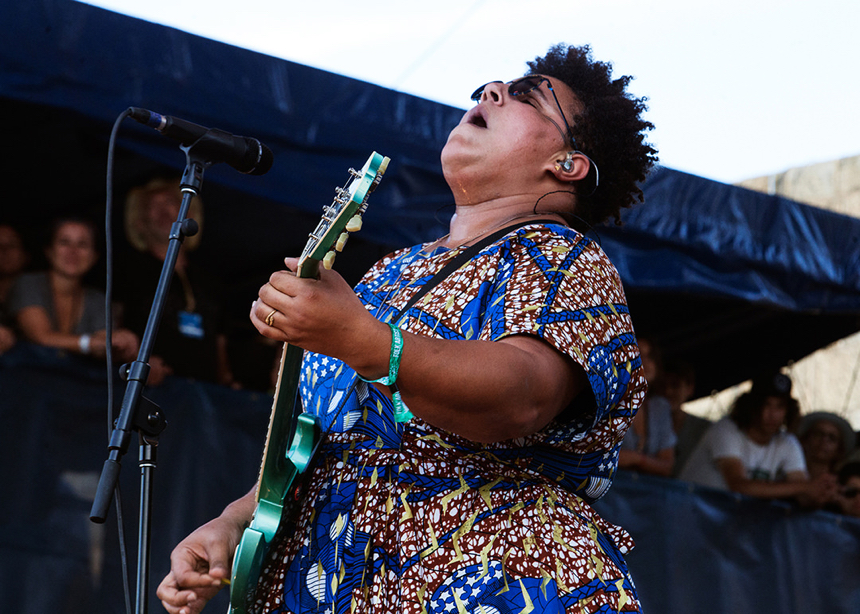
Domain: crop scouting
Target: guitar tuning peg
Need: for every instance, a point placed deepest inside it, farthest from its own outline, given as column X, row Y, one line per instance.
column 379, row 173
column 341, row 241
column 354, row 224
column 328, row 260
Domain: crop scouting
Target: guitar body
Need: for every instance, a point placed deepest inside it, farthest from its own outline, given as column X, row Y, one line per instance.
column 293, row 436
column 268, row 517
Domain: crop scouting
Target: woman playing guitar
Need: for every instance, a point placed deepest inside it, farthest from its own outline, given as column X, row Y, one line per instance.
column 516, row 377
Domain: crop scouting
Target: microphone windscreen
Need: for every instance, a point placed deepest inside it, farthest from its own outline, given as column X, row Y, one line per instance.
column 265, row 162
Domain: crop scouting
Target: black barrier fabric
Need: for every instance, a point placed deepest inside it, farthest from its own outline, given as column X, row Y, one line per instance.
column 705, row 551
column 698, row 551
column 54, row 441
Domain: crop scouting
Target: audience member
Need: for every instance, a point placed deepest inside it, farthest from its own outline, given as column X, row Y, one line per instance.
column 827, row 440
column 56, row 309
column 13, row 259
column 649, row 445
column 679, row 385
column 848, row 495
column 190, row 341
column 751, row 451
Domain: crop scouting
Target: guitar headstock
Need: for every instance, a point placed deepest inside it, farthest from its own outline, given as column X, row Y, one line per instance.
column 343, row 215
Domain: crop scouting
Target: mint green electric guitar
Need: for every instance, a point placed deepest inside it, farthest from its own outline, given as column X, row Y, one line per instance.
column 292, row 439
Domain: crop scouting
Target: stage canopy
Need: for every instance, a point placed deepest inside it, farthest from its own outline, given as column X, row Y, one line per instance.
column 729, row 279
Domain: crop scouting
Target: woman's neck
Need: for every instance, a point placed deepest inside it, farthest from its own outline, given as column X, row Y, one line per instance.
column 759, row 435
column 63, row 285
column 475, row 221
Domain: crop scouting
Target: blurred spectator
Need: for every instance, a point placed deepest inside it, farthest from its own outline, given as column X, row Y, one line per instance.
column 848, row 496
column 54, row 308
column 827, row 440
column 190, row 340
column 679, row 384
column 751, row 451
column 13, row 259
column 649, row 444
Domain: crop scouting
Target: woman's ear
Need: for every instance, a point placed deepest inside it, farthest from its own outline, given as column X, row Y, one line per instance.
column 573, row 167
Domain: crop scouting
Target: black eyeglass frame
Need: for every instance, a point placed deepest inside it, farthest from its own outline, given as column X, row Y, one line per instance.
column 536, row 82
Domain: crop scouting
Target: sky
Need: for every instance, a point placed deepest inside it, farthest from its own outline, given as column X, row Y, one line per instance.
column 736, row 88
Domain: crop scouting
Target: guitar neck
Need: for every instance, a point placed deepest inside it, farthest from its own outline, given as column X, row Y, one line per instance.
column 339, row 219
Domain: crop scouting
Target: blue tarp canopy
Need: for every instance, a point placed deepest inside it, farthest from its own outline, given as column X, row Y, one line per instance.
column 726, row 278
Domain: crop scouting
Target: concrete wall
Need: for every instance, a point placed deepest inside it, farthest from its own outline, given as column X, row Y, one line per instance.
column 831, row 185
column 828, row 378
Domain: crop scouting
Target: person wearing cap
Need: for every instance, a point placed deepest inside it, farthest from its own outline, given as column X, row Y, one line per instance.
column 827, row 439
column 753, row 453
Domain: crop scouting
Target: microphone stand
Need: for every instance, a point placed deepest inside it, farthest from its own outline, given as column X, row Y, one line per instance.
column 137, row 412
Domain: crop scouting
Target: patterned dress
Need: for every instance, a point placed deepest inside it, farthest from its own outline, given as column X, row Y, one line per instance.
column 408, row 518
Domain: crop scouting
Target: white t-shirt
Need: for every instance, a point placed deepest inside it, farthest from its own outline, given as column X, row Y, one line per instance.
column 770, row 462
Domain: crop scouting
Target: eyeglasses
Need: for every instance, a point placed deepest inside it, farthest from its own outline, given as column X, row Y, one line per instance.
column 524, row 86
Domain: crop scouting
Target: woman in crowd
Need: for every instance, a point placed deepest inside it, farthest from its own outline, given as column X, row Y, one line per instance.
column 191, row 341
column 56, row 309
column 649, row 446
column 465, row 438
column 679, row 386
column 827, row 440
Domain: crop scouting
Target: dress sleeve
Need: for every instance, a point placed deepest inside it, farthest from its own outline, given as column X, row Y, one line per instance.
column 557, row 285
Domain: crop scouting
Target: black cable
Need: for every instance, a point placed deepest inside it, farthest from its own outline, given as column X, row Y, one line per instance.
column 108, row 341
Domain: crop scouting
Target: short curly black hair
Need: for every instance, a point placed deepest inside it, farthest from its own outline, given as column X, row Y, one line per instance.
column 748, row 407
column 608, row 128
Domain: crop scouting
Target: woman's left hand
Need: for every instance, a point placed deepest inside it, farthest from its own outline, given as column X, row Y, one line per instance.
column 318, row 314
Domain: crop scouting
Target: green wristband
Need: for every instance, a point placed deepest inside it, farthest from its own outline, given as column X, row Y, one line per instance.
column 401, row 412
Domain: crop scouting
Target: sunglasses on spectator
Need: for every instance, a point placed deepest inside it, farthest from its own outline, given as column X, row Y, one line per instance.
column 525, row 86
column 850, row 493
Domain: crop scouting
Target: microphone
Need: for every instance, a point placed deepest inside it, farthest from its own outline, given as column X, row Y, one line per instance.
column 243, row 153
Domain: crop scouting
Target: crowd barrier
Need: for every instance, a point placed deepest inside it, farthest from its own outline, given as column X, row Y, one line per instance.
column 698, row 551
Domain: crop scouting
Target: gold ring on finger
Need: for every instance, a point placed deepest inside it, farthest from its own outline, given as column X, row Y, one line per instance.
column 270, row 319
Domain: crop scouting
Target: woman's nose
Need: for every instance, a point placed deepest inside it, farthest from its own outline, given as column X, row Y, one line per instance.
column 493, row 92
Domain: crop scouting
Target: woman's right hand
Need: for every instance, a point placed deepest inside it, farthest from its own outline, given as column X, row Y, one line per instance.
column 125, row 345
column 199, row 566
